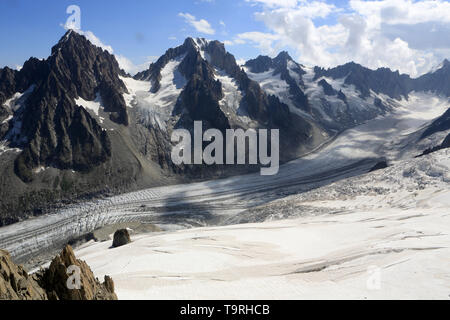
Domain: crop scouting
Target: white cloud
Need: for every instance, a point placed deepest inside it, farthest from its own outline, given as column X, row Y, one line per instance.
column 405, row 35
column 403, row 11
column 131, row 68
column 241, row 62
column 95, row 40
column 201, row 25
column 263, row 41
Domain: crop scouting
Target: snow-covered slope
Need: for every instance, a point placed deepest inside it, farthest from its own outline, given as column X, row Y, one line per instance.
column 352, row 153
column 346, row 105
column 382, row 235
column 156, row 107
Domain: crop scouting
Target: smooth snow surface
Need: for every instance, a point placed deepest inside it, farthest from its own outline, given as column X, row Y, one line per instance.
column 135, row 88
column 93, row 106
column 385, row 235
column 354, row 152
column 172, row 83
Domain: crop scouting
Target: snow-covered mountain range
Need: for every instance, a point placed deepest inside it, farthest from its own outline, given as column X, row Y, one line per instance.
column 363, row 188
column 74, row 126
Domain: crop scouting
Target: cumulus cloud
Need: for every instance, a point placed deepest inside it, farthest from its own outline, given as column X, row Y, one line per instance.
column 201, row 25
column 405, row 35
column 275, row 3
column 131, row 68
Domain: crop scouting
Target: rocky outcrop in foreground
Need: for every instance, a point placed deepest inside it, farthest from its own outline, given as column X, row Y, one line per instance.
column 66, row 279
column 15, row 283
column 121, row 238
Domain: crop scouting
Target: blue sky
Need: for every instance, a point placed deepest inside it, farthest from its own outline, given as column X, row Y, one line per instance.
column 406, row 35
column 137, row 30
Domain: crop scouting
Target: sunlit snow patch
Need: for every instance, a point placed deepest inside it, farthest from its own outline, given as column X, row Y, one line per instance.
column 231, row 101
column 172, row 83
column 156, row 108
column 274, row 85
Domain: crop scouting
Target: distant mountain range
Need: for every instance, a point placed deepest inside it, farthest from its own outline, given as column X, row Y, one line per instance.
column 75, row 125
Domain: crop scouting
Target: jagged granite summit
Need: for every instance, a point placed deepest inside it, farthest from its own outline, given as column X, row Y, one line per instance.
column 54, row 130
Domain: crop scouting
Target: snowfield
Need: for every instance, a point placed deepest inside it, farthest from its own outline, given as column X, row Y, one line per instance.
column 377, row 236
column 95, row 106
column 156, row 107
column 220, row 202
column 322, row 228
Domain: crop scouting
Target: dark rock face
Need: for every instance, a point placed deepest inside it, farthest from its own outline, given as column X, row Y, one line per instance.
column 388, row 82
column 121, row 238
column 15, row 283
column 55, row 131
column 440, row 124
column 435, row 81
column 260, row 64
column 342, row 96
column 200, row 98
column 327, row 88
column 7, row 83
column 379, row 166
column 199, row 101
column 55, row 280
column 200, row 62
column 280, row 63
column 51, row 283
column 444, row 145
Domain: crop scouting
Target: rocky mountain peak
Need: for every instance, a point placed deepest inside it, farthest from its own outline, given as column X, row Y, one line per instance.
column 435, row 81
column 193, row 44
column 382, row 80
column 260, row 64
column 87, row 66
column 54, row 130
column 283, row 57
column 51, row 283
column 281, row 63
column 54, row 280
column 15, row 283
